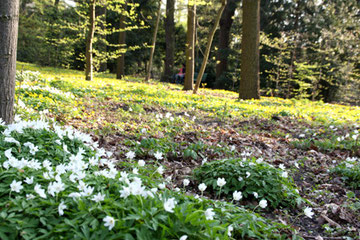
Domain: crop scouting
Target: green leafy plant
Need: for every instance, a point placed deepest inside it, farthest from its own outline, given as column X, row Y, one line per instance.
column 94, row 200
column 350, row 171
column 255, row 179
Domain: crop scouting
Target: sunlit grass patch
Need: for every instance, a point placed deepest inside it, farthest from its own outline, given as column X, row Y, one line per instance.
column 216, row 103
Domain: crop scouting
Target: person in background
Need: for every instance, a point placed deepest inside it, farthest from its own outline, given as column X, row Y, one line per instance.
column 179, row 77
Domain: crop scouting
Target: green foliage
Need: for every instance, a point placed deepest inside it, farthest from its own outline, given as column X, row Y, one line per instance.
column 151, row 145
column 35, row 96
column 350, row 171
column 25, row 214
column 249, row 176
column 327, row 140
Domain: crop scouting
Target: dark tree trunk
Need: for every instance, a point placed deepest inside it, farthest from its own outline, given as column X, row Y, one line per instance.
column 89, row 42
column 120, row 65
column 294, row 50
column 224, row 37
column 56, row 3
column 170, row 41
column 149, row 69
column 9, row 19
column 250, row 81
column 190, row 48
column 101, row 12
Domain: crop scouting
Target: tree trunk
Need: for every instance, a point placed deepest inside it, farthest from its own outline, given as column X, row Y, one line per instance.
column 208, row 46
column 169, row 41
column 293, row 52
column 89, row 42
column 148, row 74
column 56, row 3
column 224, row 37
column 9, row 19
column 101, row 12
column 120, row 68
column 250, row 81
column 190, row 49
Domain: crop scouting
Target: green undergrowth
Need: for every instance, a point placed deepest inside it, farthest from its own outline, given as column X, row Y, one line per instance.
column 328, row 138
column 350, row 171
column 56, row 183
column 255, row 179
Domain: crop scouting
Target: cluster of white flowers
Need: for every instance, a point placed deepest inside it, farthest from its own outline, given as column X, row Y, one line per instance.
column 48, row 89
column 351, row 162
column 354, row 136
column 76, row 169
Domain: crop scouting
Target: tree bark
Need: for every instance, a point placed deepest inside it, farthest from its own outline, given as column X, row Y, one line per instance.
column 89, row 42
column 9, row 19
column 101, row 12
column 208, row 46
column 120, row 68
column 148, row 74
column 169, row 41
column 190, row 48
column 250, row 81
column 224, row 37
column 56, row 3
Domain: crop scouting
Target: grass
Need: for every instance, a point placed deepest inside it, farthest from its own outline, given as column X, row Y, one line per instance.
column 213, row 102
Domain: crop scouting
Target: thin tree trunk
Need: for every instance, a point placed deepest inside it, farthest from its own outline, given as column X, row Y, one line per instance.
column 293, row 52
column 56, row 3
column 101, row 12
column 148, row 74
column 208, row 46
column 169, row 41
column 9, row 19
column 250, row 81
column 226, row 22
column 89, row 42
column 190, row 49
column 120, row 68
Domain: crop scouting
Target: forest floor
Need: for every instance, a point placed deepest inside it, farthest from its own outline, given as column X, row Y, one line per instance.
column 336, row 206
column 309, row 139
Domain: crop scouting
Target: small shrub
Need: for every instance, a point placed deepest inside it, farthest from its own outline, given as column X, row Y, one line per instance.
column 350, row 171
column 249, row 176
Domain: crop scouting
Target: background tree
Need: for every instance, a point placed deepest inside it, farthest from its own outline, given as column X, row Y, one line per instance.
column 223, row 51
column 208, row 46
column 9, row 17
column 120, row 69
column 190, row 47
column 153, row 45
column 169, row 41
column 100, row 13
column 250, row 81
column 89, row 42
